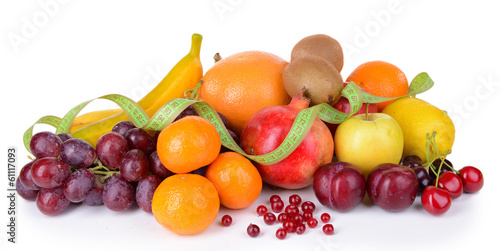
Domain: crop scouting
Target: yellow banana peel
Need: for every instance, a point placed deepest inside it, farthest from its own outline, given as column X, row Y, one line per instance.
column 184, row 75
column 91, row 117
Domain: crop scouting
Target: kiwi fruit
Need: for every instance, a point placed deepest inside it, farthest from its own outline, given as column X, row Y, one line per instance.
column 320, row 45
column 321, row 81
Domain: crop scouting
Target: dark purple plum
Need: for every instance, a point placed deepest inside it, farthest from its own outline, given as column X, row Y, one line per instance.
column 339, row 185
column 392, row 187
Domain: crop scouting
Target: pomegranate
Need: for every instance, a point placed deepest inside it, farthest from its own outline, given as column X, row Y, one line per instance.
column 267, row 129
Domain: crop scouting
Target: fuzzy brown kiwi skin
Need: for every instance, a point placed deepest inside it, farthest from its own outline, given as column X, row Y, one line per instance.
column 321, row 81
column 320, row 45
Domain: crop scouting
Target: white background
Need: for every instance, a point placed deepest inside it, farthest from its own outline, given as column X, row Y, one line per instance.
column 79, row 50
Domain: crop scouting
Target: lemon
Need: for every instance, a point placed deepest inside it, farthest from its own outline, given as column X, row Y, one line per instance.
column 417, row 119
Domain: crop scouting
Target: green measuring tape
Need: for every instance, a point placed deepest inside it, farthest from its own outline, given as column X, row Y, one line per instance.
column 300, row 127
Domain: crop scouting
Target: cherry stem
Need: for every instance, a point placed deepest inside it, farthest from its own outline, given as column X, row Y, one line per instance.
column 431, row 143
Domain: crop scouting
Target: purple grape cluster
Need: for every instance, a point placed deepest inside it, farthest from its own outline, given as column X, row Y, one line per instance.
column 124, row 167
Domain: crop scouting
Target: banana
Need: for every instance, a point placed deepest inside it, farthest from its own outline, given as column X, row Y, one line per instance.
column 184, row 75
column 91, row 117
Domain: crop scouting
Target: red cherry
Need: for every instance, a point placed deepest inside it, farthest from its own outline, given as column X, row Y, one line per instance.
column 436, row 200
column 312, row 223
column 261, row 210
column 253, row 230
column 295, row 199
column 472, row 179
column 269, row 218
column 277, row 206
column 226, row 220
column 451, row 183
column 328, row 229
column 325, row 217
column 281, row 233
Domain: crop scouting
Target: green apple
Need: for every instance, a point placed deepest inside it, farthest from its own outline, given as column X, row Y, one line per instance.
column 367, row 140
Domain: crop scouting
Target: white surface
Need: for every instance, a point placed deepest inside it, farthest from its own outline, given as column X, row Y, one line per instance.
column 81, row 50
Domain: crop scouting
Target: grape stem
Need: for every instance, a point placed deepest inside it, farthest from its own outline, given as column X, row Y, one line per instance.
column 103, row 170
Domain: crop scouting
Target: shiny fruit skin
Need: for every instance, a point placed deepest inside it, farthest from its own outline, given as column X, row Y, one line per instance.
column 369, row 140
column 452, row 183
column 436, row 201
column 392, row 187
column 339, row 185
column 472, row 179
column 267, row 129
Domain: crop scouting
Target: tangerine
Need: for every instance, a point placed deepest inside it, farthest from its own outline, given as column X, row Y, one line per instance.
column 236, row 179
column 243, row 83
column 380, row 78
column 185, row 203
column 188, row 144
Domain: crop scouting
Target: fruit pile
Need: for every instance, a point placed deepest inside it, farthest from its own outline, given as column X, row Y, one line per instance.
column 387, row 144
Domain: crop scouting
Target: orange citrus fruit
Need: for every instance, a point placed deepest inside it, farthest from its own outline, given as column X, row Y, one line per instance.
column 188, row 144
column 236, row 179
column 243, row 83
column 185, row 203
column 380, row 78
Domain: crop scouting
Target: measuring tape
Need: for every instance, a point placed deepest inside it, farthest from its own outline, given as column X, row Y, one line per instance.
column 300, row 127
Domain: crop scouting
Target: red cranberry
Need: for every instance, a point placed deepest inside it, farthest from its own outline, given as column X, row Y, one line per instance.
column 274, row 198
column 226, row 220
column 281, row 233
column 269, row 218
column 308, row 206
column 291, row 209
column 277, row 206
column 325, row 217
column 282, row 217
column 289, row 225
column 312, row 223
column 295, row 199
column 328, row 229
column 253, row 230
column 261, row 210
